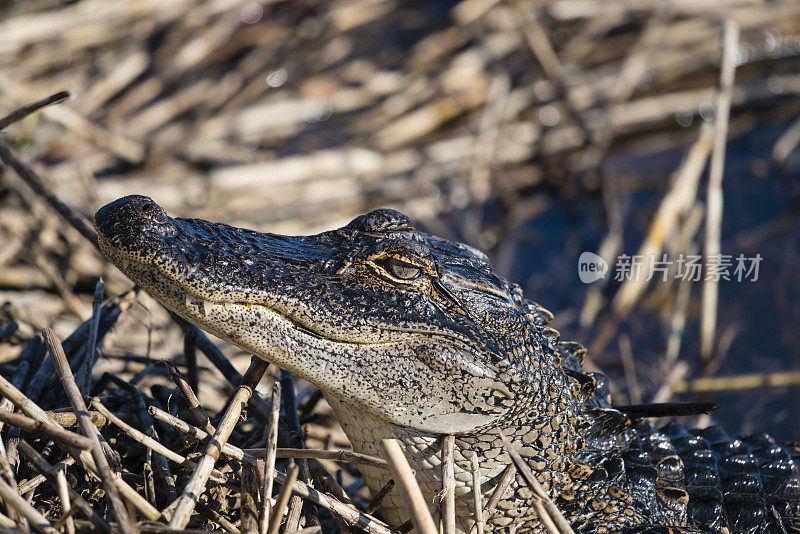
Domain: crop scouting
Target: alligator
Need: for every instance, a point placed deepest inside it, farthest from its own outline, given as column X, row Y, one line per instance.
column 414, row 337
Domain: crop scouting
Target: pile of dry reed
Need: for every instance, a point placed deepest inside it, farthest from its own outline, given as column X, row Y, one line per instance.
column 294, row 117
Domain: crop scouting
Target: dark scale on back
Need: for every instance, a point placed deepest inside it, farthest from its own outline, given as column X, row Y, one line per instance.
column 414, row 337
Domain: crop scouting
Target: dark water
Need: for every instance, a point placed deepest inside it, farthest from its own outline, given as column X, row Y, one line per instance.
column 760, row 217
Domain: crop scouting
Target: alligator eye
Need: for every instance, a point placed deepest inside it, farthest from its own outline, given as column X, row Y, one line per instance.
column 403, row 270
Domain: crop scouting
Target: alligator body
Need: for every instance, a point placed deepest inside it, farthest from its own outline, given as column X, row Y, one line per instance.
column 412, row 336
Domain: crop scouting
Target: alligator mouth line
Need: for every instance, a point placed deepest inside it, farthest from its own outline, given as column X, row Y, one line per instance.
column 193, row 307
column 208, row 308
column 199, row 308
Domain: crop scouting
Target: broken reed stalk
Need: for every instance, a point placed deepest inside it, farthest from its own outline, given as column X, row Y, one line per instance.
column 151, row 443
column 213, row 516
column 21, row 401
column 547, row 521
column 282, row 502
column 548, row 506
column 711, row 250
column 377, row 500
column 404, row 478
column 678, row 200
column 46, row 430
column 55, row 475
column 248, row 508
column 161, row 468
column 190, row 357
column 66, row 504
column 349, row 515
column 35, row 482
column 89, row 430
column 714, row 384
column 191, row 493
column 289, row 406
column 271, row 445
column 334, row 506
column 324, row 454
column 476, row 492
column 499, row 490
column 195, row 409
column 196, row 434
column 448, row 505
column 149, row 478
column 39, row 186
column 8, row 473
column 91, row 339
column 14, row 500
column 19, row 114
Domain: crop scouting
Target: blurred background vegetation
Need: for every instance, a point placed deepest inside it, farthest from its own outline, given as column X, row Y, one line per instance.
column 533, row 130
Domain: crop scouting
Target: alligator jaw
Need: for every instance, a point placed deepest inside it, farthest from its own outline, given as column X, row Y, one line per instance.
column 226, row 319
column 286, row 300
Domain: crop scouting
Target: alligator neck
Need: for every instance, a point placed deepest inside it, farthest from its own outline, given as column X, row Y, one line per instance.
column 547, row 437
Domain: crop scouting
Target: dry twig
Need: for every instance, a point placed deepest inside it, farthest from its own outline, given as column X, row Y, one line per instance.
column 91, row 339
column 89, row 430
column 549, row 513
column 448, row 506
column 147, row 441
column 282, row 501
column 191, row 493
column 409, row 489
column 708, row 319
column 53, row 474
column 24, row 111
column 476, row 493
column 271, row 445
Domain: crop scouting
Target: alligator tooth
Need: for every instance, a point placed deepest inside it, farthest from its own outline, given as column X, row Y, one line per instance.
column 228, row 306
column 187, row 303
column 208, row 307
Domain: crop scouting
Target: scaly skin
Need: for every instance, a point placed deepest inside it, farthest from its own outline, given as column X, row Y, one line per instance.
column 414, row 337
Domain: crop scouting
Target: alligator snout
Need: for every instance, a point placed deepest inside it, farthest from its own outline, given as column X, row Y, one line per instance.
column 133, row 217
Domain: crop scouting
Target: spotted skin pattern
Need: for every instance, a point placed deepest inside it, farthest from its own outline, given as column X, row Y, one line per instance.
column 414, row 337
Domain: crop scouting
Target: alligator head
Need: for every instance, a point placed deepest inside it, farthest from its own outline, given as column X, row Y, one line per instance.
column 413, row 329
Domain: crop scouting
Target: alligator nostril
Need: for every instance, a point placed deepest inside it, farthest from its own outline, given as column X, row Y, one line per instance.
column 147, row 209
column 134, row 214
